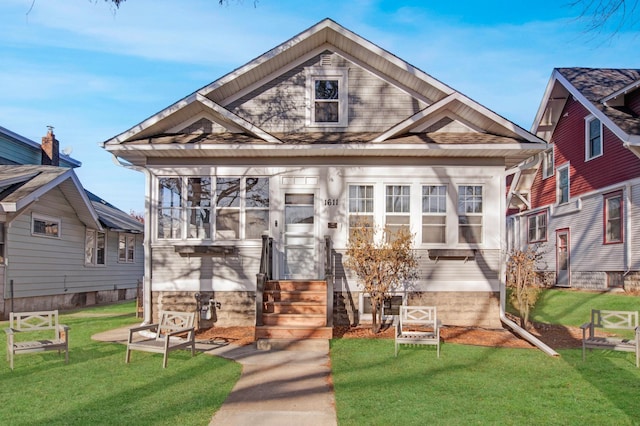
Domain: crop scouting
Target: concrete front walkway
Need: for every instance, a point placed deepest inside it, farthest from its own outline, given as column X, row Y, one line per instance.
column 277, row 387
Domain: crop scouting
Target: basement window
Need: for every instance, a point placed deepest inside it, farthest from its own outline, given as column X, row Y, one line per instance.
column 390, row 306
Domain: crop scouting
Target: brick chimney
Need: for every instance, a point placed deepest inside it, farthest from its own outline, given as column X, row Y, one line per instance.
column 50, row 149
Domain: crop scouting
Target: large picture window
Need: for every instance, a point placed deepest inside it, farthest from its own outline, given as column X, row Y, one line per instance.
column 613, row 218
column 205, row 208
column 470, row 214
column 434, row 214
column 593, row 142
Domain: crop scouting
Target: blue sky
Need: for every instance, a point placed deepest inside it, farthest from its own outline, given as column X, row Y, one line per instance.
column 93, row 72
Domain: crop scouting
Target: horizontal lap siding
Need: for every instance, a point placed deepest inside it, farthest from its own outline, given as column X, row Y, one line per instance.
column 279, row 105
column 46, row 266
column 205, row 272
column 634, row 238
column 441, row 275
column 617, row 164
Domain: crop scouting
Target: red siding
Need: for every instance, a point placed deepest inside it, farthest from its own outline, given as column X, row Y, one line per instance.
column 617, row 164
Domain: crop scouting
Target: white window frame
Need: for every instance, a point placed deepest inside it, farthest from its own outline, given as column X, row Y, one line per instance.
column 325, row 73
column 441, row 214
column 129, row 241
column 42, row 218
column 548, row 163
column 607, row 219
column 364, row 302
column 588, row 155
column 91, row 248
column 180, row 211
column 390, row 211
column 479, row 214
column 535, row 219
column 559, row 171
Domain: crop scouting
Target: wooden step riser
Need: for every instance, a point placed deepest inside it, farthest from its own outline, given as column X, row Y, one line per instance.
column 296, row 285
column 319, row 298
column 294, row 320
column 266, row 332
column 277, row 308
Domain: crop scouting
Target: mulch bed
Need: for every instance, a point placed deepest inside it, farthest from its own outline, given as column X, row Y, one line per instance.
column 555, row 336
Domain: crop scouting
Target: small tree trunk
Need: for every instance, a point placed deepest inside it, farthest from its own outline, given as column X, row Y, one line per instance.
column 375, row 326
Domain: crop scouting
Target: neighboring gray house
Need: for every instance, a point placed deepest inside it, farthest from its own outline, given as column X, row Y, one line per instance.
column 60, row 246
column 296, row 145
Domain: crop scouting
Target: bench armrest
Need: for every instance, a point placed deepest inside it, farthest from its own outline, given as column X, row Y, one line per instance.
column 181, row 331
column 142, row 327
column 585, row 325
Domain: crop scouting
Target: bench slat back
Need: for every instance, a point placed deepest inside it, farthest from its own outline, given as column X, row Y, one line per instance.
column 417, row 315
column 34, row 321
column 172, row 321
column 624, row 320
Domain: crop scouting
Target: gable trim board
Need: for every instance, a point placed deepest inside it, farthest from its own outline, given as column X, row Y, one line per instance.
column 404, row 131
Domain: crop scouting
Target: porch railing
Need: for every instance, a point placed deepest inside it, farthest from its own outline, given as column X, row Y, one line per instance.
column 264, row 274
column 329, row 276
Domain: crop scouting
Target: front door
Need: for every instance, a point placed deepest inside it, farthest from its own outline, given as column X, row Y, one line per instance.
column 562, row 258
column 299, row 239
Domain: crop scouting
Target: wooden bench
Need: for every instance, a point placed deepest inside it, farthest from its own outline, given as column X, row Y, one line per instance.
column 619, row 320
column 35, row 322
column 175, row 330
column 417, row 325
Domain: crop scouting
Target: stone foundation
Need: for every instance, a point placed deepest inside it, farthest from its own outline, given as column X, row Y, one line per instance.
column 236, row 308
column 467, row 309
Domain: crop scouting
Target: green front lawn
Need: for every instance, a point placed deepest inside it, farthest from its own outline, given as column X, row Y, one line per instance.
column 480, row 385
column 98, row 387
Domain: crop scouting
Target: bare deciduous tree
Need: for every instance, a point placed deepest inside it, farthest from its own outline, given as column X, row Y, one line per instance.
column 522, row 279
column 608, row 15
column 380, row 265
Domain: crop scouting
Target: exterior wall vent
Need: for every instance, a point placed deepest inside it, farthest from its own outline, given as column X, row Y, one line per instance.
column 325, row 60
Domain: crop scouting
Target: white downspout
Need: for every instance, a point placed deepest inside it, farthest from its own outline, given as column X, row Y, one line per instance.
column 146, row 285
column 503, row 285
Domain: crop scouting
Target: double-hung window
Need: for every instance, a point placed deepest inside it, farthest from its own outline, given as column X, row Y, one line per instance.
column 94, row 247
column 198, row 208
column 360, row 207
column 563, row 185
column 547, row 163
column 470, row 214
column 126, row 248
column 434, row 214
column 327, row 94
column 593, row 142
column 537, row 224
column 613, row 218
column 397, row 207
column 227, row 208
column 170, row 208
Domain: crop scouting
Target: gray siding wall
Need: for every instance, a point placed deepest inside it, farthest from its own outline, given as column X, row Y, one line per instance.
column 279, row 105
column 41, row 266
column 22, row 154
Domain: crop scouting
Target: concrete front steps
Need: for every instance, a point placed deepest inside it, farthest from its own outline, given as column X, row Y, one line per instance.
column 294, row 310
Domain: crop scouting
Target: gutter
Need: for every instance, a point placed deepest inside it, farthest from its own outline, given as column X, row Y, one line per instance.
column 146, row 244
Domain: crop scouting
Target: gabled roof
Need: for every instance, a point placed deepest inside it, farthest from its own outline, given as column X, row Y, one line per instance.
column 22, row 185
column 599, row 90
column 113, row 218
column 160, row 136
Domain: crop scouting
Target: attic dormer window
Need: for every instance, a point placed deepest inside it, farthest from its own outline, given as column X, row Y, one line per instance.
column 327, row 97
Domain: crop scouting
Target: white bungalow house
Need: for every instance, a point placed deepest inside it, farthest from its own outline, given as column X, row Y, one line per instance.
column 60, row 246
column 259, row 176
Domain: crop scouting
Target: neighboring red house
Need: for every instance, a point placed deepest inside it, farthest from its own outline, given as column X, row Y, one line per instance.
column 581, row 198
